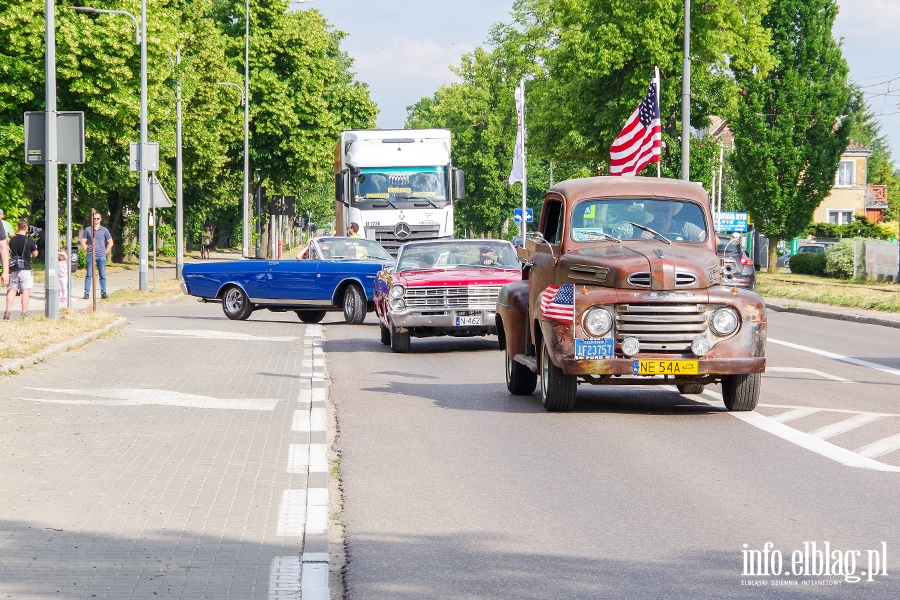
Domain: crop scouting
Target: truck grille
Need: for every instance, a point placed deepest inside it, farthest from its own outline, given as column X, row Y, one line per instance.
column 457, row 297
column 663, row 328
column 385, row 236
column 642, row 279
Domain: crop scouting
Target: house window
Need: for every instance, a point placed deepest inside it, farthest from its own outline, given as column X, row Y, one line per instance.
column 846, row 175
column 840, row 216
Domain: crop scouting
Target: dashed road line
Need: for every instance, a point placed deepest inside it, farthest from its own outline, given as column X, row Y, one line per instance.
column 298, row 459
column 840, row 357
column 218, row 335
column 810, row 371
column 292, row 514
column 794, row 414
column 284, row 578
column 823, row 433
column 881, row 447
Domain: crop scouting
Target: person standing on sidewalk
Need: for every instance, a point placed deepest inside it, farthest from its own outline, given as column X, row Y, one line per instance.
column 21, row 279
column 97, row 242
column 6, row 226
column 205, row 242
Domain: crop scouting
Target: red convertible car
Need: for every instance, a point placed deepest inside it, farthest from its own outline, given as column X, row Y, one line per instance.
column 446, row 287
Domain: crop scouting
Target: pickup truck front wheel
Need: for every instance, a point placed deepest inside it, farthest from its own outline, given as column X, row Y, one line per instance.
column 520, row 380
column 740, row 392
column 557, row 389
column 235, row 304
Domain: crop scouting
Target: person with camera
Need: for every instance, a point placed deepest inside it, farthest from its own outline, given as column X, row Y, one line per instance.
column 97, row 242
column 22, row 249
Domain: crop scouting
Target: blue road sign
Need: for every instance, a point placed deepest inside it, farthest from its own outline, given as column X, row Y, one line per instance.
column 517, row 215
column 731, row 222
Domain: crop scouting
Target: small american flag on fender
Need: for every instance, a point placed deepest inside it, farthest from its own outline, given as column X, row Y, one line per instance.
column 558, row 303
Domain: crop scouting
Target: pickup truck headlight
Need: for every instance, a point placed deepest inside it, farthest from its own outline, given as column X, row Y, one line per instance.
column 597, row 321
column 725, row 321
column 397, row 292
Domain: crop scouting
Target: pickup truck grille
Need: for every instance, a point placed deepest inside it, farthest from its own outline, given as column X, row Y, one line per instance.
column 456, row 297
column 642, row 279
column 661, row 328
column 389, row 240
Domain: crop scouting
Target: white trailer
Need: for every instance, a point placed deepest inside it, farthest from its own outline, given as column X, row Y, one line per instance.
column 398, row 185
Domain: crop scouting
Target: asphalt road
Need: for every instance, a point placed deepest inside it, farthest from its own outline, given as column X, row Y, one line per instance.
column 452, row 488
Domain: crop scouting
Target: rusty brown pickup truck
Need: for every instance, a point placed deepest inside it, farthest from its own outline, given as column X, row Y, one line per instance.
column 622, row 286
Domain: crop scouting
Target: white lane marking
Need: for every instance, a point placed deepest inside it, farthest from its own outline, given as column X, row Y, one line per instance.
column 143, row 397
column 834, row 410
column 284, row 578
column 811, row 371
column 204, row 334
column 797, row 413
column 317, row 421
column 318, row 458
column 316, row 520
column 317, row 497
column 840, row 357
column 849, row 424
column 300, row 422
column 881, row 447
column 292, row 513
column 804, row 440
column 314, row 582
column 298, row 458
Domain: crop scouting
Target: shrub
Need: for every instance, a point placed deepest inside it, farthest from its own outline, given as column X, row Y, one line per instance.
column 807, row 263
column 839, row 259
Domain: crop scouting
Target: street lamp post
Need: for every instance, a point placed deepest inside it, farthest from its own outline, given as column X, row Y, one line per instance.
column 140, row 38
column 51, row 176
column 179, row 196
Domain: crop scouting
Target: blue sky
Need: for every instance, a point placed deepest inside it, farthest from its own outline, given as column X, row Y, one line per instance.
column 402, row 48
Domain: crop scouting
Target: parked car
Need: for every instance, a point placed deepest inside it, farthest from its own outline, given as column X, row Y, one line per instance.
column 622, row 286
column 737, row 267
column 785, row 261
column 446, row 287
column 335, row 273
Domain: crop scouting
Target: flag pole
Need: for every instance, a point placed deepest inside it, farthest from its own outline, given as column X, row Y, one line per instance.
column 524, row 161
column 658, row 174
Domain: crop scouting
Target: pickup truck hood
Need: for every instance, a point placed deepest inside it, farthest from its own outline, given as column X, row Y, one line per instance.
column 457, row 277
column 646, row 265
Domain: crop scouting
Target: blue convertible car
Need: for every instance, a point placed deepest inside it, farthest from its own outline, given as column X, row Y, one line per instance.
column 330, row 274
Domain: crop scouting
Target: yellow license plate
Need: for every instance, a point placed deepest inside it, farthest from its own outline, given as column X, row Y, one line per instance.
column 666, row 367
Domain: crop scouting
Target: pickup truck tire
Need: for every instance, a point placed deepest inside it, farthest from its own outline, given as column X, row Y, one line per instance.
column 385, row 334
column 740, row 392
column 557, row 389
column 354, row 305
column 689, row 388
column 520, row 380
column 310, row 316
column 235, row 304
column 399, row 341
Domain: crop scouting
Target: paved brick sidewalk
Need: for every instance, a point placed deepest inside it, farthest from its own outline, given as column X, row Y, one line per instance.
column 160, row 462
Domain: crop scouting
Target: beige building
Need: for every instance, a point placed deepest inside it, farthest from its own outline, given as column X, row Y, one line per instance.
column 851, row 195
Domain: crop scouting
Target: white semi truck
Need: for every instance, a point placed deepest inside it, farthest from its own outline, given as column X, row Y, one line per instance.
column 398, row 185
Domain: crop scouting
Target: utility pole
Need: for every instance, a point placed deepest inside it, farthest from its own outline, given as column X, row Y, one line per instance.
column 51, row 179
column 686, row 96
column 179, row 204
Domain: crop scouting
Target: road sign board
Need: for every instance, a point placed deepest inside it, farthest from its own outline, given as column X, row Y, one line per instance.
column 158, row 196
column 731, row 222
column 151, row 156
column 69, row 137
column 284, row 205
column 517, row 215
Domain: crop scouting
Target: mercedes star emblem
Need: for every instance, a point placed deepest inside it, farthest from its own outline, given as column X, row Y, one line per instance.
column 402, row 231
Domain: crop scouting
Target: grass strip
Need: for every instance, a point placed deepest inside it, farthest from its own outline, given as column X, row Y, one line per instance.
column 22, row 337
column 874, row 296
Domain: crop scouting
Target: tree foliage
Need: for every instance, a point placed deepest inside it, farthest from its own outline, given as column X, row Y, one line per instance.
column 788, row 130
column 302, row 94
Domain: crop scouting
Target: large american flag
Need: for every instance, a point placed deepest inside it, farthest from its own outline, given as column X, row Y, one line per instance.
column 639, row 142
column 558, row 303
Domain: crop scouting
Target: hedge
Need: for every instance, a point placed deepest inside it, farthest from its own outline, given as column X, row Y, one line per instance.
column 808, row 263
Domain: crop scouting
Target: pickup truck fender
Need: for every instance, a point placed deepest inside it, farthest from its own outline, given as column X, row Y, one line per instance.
column 512, row 317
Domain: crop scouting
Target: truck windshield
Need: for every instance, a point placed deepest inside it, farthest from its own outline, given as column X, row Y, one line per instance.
column 400, row 187
column 631, row 218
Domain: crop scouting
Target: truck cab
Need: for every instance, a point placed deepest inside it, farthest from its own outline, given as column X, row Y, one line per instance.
column 622, row 285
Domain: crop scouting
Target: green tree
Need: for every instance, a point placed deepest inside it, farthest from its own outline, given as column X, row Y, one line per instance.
column 596, row 60
column 788, row 130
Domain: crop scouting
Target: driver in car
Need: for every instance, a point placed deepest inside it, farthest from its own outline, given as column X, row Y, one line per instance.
column 486, row 257
column 663, row 220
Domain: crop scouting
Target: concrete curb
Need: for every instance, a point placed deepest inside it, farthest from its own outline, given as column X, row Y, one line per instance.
column 837, row 316
column 60, row 347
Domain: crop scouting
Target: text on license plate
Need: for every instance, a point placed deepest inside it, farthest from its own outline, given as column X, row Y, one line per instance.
column 666, row 367
column 593, row 349
column 468, row 320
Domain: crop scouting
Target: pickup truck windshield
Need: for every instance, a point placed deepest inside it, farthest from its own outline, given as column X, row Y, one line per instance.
column 400, row 187
column 630, row 218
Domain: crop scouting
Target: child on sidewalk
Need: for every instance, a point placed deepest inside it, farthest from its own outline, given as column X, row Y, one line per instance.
column 62, row 269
